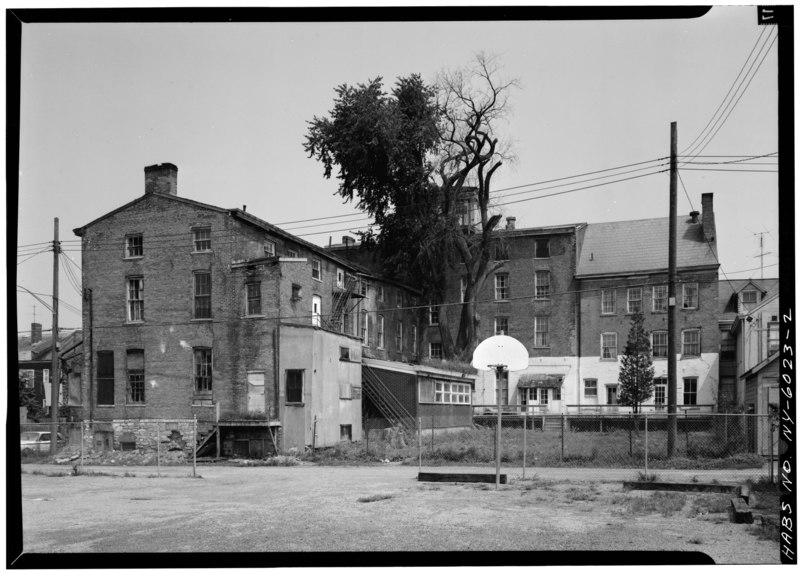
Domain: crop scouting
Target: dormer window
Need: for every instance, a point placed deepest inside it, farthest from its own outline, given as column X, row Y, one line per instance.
column 749, row 297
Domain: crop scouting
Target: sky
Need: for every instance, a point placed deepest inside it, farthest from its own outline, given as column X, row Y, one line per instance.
column 228, row 103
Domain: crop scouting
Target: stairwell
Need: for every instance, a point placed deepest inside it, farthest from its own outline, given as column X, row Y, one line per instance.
column 385, row 401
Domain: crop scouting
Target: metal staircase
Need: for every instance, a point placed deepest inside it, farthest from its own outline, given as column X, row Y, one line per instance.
column 385, row 401
column 340, row 298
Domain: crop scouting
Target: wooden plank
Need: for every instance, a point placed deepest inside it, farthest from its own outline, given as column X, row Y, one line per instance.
column 685, row 487
column 461, row 477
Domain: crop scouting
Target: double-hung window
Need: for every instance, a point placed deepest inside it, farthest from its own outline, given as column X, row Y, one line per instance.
column 253, row 298
column 364, row 327
column 501, row 326
column 316, row 269
column 691, row 343
column 501, row 286
column 541, row 248
column 608, row 301
column 660, row 392
column 202, row 239
column 433, row 315
column 269, row 248
column 542, row 284
column 134, row 246
column 590, row 387
column 136, row 299
column 398, row 336
column 773, row 336
column 690, row 296
column 294, row 386
column 660, row 298
column 380, row 332
column 690, row 391
column 634, row 300
column 435, row 350
column 105, row 377
column 660, row 344
column 202, row 295
column 608, row 345
column 541, row 327
column 202, row 369
column 135, row 367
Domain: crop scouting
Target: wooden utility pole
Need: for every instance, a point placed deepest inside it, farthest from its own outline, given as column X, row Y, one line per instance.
column 54, row 377
column 672, row 350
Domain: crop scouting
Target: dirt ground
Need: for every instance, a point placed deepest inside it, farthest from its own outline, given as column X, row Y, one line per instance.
column 375, row 508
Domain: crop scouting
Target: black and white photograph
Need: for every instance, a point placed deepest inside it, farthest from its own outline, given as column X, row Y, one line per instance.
column 494, row 284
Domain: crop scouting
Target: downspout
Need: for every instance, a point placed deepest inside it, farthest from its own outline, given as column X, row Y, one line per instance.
column 277, row 373
column 578, row 341
column 91, row 355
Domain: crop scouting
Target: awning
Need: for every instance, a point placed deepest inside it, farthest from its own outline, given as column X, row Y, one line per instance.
column 540, row 380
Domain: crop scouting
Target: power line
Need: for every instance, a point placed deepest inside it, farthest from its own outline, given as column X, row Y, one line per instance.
column 732, row 170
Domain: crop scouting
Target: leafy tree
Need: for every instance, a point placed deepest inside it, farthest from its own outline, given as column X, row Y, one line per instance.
column 636, row 369
column 27, row 398
column 413, row 159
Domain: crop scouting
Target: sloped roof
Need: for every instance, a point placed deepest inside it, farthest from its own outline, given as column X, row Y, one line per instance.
column 634, row 246
column 41, row 350
column 728, row 289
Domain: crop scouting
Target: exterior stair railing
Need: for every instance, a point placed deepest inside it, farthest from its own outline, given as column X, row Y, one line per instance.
column 340, row 298
column 385, row 401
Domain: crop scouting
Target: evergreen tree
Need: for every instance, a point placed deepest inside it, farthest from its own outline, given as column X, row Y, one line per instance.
column 636, row 369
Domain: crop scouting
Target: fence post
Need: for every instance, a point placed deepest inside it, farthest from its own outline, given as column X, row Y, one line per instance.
column 562, row 437
column 645, row 445
column 498, row 446
column 524, row 440
column 433, row 418
column 630, row 434
column 771, row 454
column 158, row 448
column 194, row 447
column 686, row 422
column 419, row 438
column 82, row 437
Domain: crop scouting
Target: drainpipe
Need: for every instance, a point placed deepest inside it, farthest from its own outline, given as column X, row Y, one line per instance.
column 578, row 340
column 91, row 355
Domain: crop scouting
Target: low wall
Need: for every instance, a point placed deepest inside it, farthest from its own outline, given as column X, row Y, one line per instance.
column 142, row 434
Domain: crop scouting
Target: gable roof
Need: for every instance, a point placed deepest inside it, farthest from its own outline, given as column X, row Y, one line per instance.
column 638, row 246
column 42, row 350
column 729, row 290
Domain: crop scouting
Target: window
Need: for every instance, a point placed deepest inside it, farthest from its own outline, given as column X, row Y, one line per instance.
column 690, row 296
column 590, row 387
column 556, row 394
column 380, row 332
column 134, row 247
column 542, row 282
column 541, row 329
column 501, row 326
column 269, row 248
column 501, row 251
column 608, row 345
column 660, row 298
column 527, row 395
column 398, row 336
column 316, row 269
column 542, row 248
column 660, row 344
column 433, row 315
column 773, row 336
column 202, row 239
column 544, row 397
column 608, row 301
column 381, row 294
column 105, row 378
column 413, row 338
column 297, row 292
column 634, row 300
column 345, row 432
column 451, row 392
column 202, row 369
column 135, row 299
column 436, row 350
column 611, row 394
column 660, row 392
column 502, row 387
column 294, row 386
column 364, row 327
column 135, row 367
column 727, row 346
column 344, row 353
column 501, row 286
column 253, row 298
column 316, row 311
column 202, row 295
column 749, row 297
column 292, row 254
column 691, row 343
column 463, row 288
column 339, row 278
column 398, row 299
column 690, row 391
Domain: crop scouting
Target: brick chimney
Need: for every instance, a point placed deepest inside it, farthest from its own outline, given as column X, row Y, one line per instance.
column 36, row 333
column 709, row 228
column 348, row 240
column 511, row 222
column 161, row 179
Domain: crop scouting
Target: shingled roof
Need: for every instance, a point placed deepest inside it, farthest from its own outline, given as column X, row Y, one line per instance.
column 728, row 290
column 635, row 246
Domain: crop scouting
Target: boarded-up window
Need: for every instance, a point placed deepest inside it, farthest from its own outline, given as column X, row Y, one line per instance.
column 425, row 391
column 105, row 378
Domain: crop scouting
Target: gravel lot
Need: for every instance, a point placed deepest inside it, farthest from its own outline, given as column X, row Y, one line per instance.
column 322, row 509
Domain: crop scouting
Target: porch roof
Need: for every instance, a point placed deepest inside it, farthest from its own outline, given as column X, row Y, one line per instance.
column 541, row 380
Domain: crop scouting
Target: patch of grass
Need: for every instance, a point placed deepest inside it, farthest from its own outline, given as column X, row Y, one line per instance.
column 709, row 503
column 577, row 494
column 768, row 529
column 376, row 498
column 664, row 503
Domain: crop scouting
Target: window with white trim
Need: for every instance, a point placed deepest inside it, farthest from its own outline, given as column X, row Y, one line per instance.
column 541, row 328
column 202, row 369
column 435, row 350
column 749, row 297
column 608, row 345
column 339, row 278
column 501, row 326
column 608, row 301
column 773, row 336
column 316, row 269
column 269, row 248
column 380, row 332
column 501, row 286
column 134, row 246
column 660, row 298
column 202, row 295
column 542, row 284
column 253, row 298
column 690, row 391
column 452, row 392
column 659, row 344
column 690, row 341
column 135, row 294
column 135, row 369
column 660, row 392
column 590, row 387
column 433, row 315
column 690, row 296
column 634, row 300
column 316, row 311
column 398, row 336
column 202, row 239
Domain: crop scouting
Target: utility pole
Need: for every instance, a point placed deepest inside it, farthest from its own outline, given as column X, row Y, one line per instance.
column 672, row 362
column 54, row 377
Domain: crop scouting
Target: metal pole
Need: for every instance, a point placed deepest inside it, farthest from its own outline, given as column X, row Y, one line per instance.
column 419, row 438
column 432, row 422
column 672, row 351
column 524, row 440
column 562, row 436
column 499, row 426
column 686, row 421
column 82, row 437
column 218, row 435
column 771, row 454
column 158, row 449
column 194, row 447
column 54, row 375
column 645, row 445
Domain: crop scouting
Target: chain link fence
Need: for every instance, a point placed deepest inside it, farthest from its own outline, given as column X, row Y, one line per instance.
column 136, row 442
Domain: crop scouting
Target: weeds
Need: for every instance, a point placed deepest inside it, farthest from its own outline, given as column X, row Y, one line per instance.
column 664, row 503
column 647, row 478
